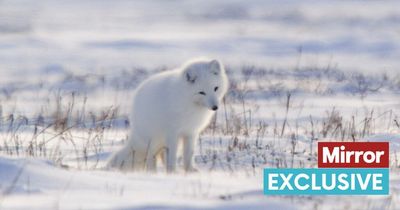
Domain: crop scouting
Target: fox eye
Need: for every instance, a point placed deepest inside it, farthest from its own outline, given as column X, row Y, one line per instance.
column 215, row 89
column 202, row 93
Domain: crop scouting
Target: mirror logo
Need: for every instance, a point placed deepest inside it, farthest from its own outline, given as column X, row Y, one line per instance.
column 344, row 168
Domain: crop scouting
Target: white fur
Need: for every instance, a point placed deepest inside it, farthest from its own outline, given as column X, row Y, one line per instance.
column 168, row 107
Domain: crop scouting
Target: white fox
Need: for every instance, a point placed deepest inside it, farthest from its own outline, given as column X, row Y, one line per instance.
column 170, row 107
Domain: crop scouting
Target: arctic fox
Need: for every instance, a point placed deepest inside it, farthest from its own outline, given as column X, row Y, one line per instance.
column 168, row 108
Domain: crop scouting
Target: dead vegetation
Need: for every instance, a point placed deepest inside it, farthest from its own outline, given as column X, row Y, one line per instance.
column 237, row 137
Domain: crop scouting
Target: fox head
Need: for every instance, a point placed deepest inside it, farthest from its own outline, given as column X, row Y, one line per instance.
column 207, row 82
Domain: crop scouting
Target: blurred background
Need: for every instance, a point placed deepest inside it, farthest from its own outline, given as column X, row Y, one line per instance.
column 57, row 45
column 104, row 36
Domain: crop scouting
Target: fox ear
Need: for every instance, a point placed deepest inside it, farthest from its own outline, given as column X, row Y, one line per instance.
column 215, row 67
column 190, row 75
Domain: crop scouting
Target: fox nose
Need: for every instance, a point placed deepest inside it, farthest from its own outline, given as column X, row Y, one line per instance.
column 214, row 108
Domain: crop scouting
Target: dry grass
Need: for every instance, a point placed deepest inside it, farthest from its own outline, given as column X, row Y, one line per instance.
column 235, row 138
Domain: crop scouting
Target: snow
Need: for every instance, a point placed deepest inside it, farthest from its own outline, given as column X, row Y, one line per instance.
column 36, row 184
column 68, row 69
column 86, row 36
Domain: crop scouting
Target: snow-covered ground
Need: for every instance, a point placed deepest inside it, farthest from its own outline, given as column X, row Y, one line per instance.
column 40, row 185
column 300, row 71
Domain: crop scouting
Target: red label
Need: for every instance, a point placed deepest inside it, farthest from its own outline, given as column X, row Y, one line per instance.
column 353, row 154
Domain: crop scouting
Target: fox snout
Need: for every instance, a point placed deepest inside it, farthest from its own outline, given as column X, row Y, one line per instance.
column 212, row 103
